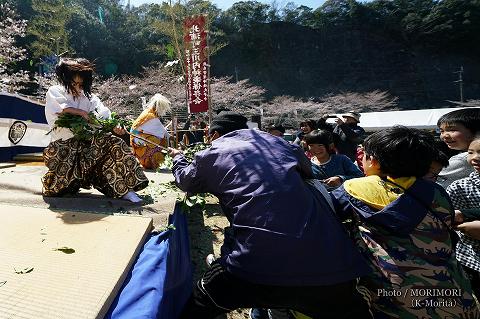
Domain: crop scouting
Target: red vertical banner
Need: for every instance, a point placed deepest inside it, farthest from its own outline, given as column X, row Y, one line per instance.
column 196, row 62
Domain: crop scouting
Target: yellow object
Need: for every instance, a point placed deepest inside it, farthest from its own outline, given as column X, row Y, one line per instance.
column 299, row 315
column 149, row 156
column 375, row 192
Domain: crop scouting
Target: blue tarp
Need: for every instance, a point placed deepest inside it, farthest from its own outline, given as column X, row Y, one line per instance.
column 160, row 281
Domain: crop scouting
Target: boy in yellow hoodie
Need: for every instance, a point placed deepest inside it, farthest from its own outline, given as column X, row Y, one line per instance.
column 402, row 225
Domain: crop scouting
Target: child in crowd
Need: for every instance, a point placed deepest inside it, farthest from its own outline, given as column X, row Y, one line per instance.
column 465, row 195
column 305, row 128
column 333, row 169
column 401, row 223
column 457, row 129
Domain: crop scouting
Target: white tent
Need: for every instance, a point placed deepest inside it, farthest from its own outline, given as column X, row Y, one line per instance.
column 421, row 119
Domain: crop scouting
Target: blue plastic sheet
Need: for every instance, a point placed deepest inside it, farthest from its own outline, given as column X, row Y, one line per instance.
column 160, row 281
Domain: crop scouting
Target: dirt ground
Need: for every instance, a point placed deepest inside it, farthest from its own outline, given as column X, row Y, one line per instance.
column 206, row 237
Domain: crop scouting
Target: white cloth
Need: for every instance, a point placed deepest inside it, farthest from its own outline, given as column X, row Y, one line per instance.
column 152, row 127
column 58, row 99
column 457, row 168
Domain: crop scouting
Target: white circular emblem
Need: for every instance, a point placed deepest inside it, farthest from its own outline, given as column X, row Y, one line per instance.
column 17, row 131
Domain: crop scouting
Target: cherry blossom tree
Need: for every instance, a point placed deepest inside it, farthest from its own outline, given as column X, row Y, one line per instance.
column 11, row 28
column 123, row 95
column 290, row 111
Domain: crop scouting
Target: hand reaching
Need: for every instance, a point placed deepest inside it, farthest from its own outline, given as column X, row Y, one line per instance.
column 119, row 130
column 334, row 181
column 459, row 217
column 85, row 115
column 174, row 152
column 471, row 229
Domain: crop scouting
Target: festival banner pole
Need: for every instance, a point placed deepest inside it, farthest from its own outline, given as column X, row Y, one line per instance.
column 207, row 49
column 196, row 63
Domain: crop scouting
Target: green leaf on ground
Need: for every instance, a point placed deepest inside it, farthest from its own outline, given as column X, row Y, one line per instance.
column 23, row 271
column 65, row 250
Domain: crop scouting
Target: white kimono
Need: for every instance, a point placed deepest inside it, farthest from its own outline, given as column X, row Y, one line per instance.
column 58, row 99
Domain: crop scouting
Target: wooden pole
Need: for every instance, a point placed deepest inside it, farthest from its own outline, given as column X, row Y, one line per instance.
column 163, row 148
column 208, row 71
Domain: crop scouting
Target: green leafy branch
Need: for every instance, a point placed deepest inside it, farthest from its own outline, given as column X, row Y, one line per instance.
column 190, row 151
column 85, row 130
column 190, row 202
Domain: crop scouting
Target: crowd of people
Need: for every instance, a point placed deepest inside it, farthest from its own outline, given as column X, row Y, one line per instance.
column 336, row 224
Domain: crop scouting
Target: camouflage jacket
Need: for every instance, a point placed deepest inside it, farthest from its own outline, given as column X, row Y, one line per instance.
column 409, row 247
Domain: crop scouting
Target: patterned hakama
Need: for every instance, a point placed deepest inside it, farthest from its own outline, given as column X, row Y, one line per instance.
column 106, row 163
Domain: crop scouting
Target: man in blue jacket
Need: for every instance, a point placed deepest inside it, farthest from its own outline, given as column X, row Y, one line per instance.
column 286, row 248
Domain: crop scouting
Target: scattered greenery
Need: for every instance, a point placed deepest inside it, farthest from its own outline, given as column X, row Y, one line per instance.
column 115, row 120
column 191, row 150
column 162, row 229
column 154, row 192
column 167, row 163
column 190, row 202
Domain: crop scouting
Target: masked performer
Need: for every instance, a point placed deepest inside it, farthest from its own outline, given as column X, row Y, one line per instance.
column 149, row 127
column 104, row 162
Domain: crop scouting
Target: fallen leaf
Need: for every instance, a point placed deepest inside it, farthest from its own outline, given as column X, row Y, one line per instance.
column 65, row 250
column 23, row 271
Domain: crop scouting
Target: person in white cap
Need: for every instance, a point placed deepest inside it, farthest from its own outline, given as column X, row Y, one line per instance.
column 349, row 134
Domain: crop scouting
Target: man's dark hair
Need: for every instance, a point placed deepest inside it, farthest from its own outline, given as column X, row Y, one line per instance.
column 401, row 151
column 441, row 154
column 470, row 118
column 311, row 123
column 275, row 126
column 228, row 121
column 66, row 70
column 440, row 157
column 319, row 137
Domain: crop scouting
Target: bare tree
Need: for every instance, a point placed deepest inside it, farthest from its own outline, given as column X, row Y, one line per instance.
column 374, row 101
column 290, row 111
column 241, row 96
column 123, row 95
column 43, row 82
column 468, row 103
column 11, row 28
